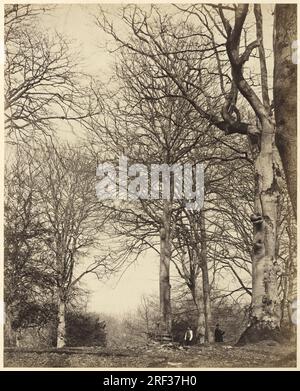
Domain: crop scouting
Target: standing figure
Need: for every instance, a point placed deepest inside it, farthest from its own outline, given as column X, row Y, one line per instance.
column 188, row 336
column 219, row 334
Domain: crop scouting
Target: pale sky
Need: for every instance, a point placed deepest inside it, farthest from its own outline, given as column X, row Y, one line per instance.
column 120, row 295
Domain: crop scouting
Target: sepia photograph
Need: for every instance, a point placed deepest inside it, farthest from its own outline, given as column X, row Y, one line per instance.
column 149, row 186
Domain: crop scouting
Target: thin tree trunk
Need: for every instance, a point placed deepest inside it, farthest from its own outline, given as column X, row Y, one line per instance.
column 284, row 300
column 197, row 294
column 205, row 279
column 10, row 334
column 292, row 291
column 207, row 306
column 164, row 272
column 61, row 322
column 288, row 278
column 291, row 277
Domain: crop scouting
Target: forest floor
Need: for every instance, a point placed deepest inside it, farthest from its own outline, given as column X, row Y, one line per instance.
column 266, row 354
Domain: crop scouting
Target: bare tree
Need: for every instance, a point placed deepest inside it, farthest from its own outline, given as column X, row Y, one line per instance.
column 151, row 130
column 27, row 267
column 221, row 45
column 43, row 85
column 73, row 216
column 191, row 262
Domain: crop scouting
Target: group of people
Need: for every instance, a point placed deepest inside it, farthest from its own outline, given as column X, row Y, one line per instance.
column 189, row 335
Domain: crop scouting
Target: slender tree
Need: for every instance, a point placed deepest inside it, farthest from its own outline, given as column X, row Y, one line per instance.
column 73, row 217
column 43, row 85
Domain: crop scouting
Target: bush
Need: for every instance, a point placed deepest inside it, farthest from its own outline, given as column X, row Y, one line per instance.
column 85, row 329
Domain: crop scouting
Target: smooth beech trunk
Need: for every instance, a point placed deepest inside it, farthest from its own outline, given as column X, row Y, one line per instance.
column 61, row 322
column 265, row 307
column 164, row 272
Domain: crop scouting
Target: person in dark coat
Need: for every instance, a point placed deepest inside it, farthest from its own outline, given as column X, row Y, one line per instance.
column 219, row 334
column 188, row 336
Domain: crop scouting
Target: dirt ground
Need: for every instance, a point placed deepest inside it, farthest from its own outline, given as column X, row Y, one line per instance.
column 266, row 354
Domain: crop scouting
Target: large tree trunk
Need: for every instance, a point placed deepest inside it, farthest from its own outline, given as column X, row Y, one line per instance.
column 205, row 279
column 285, row 93
column 265, row 307
column 264, row 319
column 61, row 322
column 164, row 272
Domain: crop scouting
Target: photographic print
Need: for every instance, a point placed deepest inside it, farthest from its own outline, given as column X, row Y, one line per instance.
column 150, row 186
